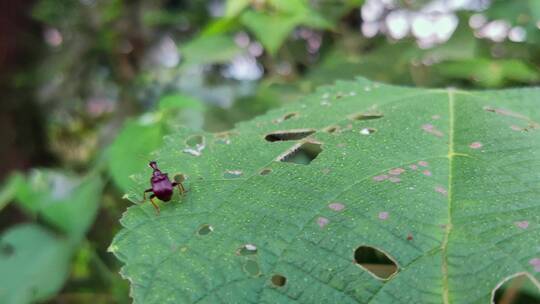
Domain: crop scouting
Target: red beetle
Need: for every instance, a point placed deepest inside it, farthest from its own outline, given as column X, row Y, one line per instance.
column 162, row 187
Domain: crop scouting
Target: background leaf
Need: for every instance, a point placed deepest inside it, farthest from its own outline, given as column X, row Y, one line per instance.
column 34, row 263
column 270, row 30
column 234, row 7
column 207, row 49
column 128, row 156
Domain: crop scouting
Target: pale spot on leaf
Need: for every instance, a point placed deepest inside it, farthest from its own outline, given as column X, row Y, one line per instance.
column 367, row 131
column 251, row 247
column 396, row 171
column 232, row 173
column 192, row 152
column 394, row 179
column 383, row 215
column 535, row 262
column 475, row 145
column 380, row 178
column 522, row 224
column 423, row 163
column 322, row 221
column 426, row 172
column 431, row 129
column 441, row 190
column 336, row 206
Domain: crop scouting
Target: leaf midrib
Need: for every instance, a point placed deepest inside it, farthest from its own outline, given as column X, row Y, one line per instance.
column 448, row 229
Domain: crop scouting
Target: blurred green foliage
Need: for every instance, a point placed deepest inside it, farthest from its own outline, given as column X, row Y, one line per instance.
column 116, row 76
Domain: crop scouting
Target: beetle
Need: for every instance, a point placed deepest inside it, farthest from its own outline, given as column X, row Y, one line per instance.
column 162, row 187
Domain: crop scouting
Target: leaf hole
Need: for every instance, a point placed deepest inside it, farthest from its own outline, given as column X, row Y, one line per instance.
column 252, row 268
column 179, row 178
column 289, row 135
column 279, row 280
column 331, row 129
column 289, row 116
column 222, row 138
column 195, row 144
column 301, row 154
column 367, row 131
column 195, row 141
column 513, row 289
column 366, row 116
column 247, row 249
column 6, row 249
column 205, row 229
column 378, row 263
column 232, row 173
column 265, row 171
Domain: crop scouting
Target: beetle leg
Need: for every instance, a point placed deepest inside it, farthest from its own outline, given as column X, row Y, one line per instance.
column 180, row 187
column 154, row 203
column 144, row 193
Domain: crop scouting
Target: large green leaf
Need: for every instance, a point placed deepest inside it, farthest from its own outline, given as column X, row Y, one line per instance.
column 446, row 182
column 34, row 264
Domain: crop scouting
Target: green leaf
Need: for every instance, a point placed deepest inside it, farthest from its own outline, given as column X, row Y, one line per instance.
column 179, row 110
column 270, row 30
column 235, row 7
column 273, row 27
column 445, row 182
column 130, row 152
column 34, row 263
column 163, row 17
column 489, row 73
column 209, row 49
column 128, row 156
column 10, row 188
column 75, row 213
column 63, row 200
column 220, row 26
column 177, row 101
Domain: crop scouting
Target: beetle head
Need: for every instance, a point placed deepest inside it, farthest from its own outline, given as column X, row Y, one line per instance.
column 153, row 165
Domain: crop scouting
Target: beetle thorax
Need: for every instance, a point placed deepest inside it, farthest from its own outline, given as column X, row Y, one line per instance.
column 158, row 176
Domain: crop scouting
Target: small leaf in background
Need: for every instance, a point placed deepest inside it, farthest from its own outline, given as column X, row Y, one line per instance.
column 75, row 212
column 63, row 200
column 441, row 183
column 130, row 152
column 273, row 26
column 270, row 30
column 34, row 264
column 235, row 7
column 10, row 188
column 488, row 73
column 209, row 49
column 43, row 187
column 182, row 111
column 177, row 101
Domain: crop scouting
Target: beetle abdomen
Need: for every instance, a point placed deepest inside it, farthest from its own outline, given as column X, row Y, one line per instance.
column 163, row 189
